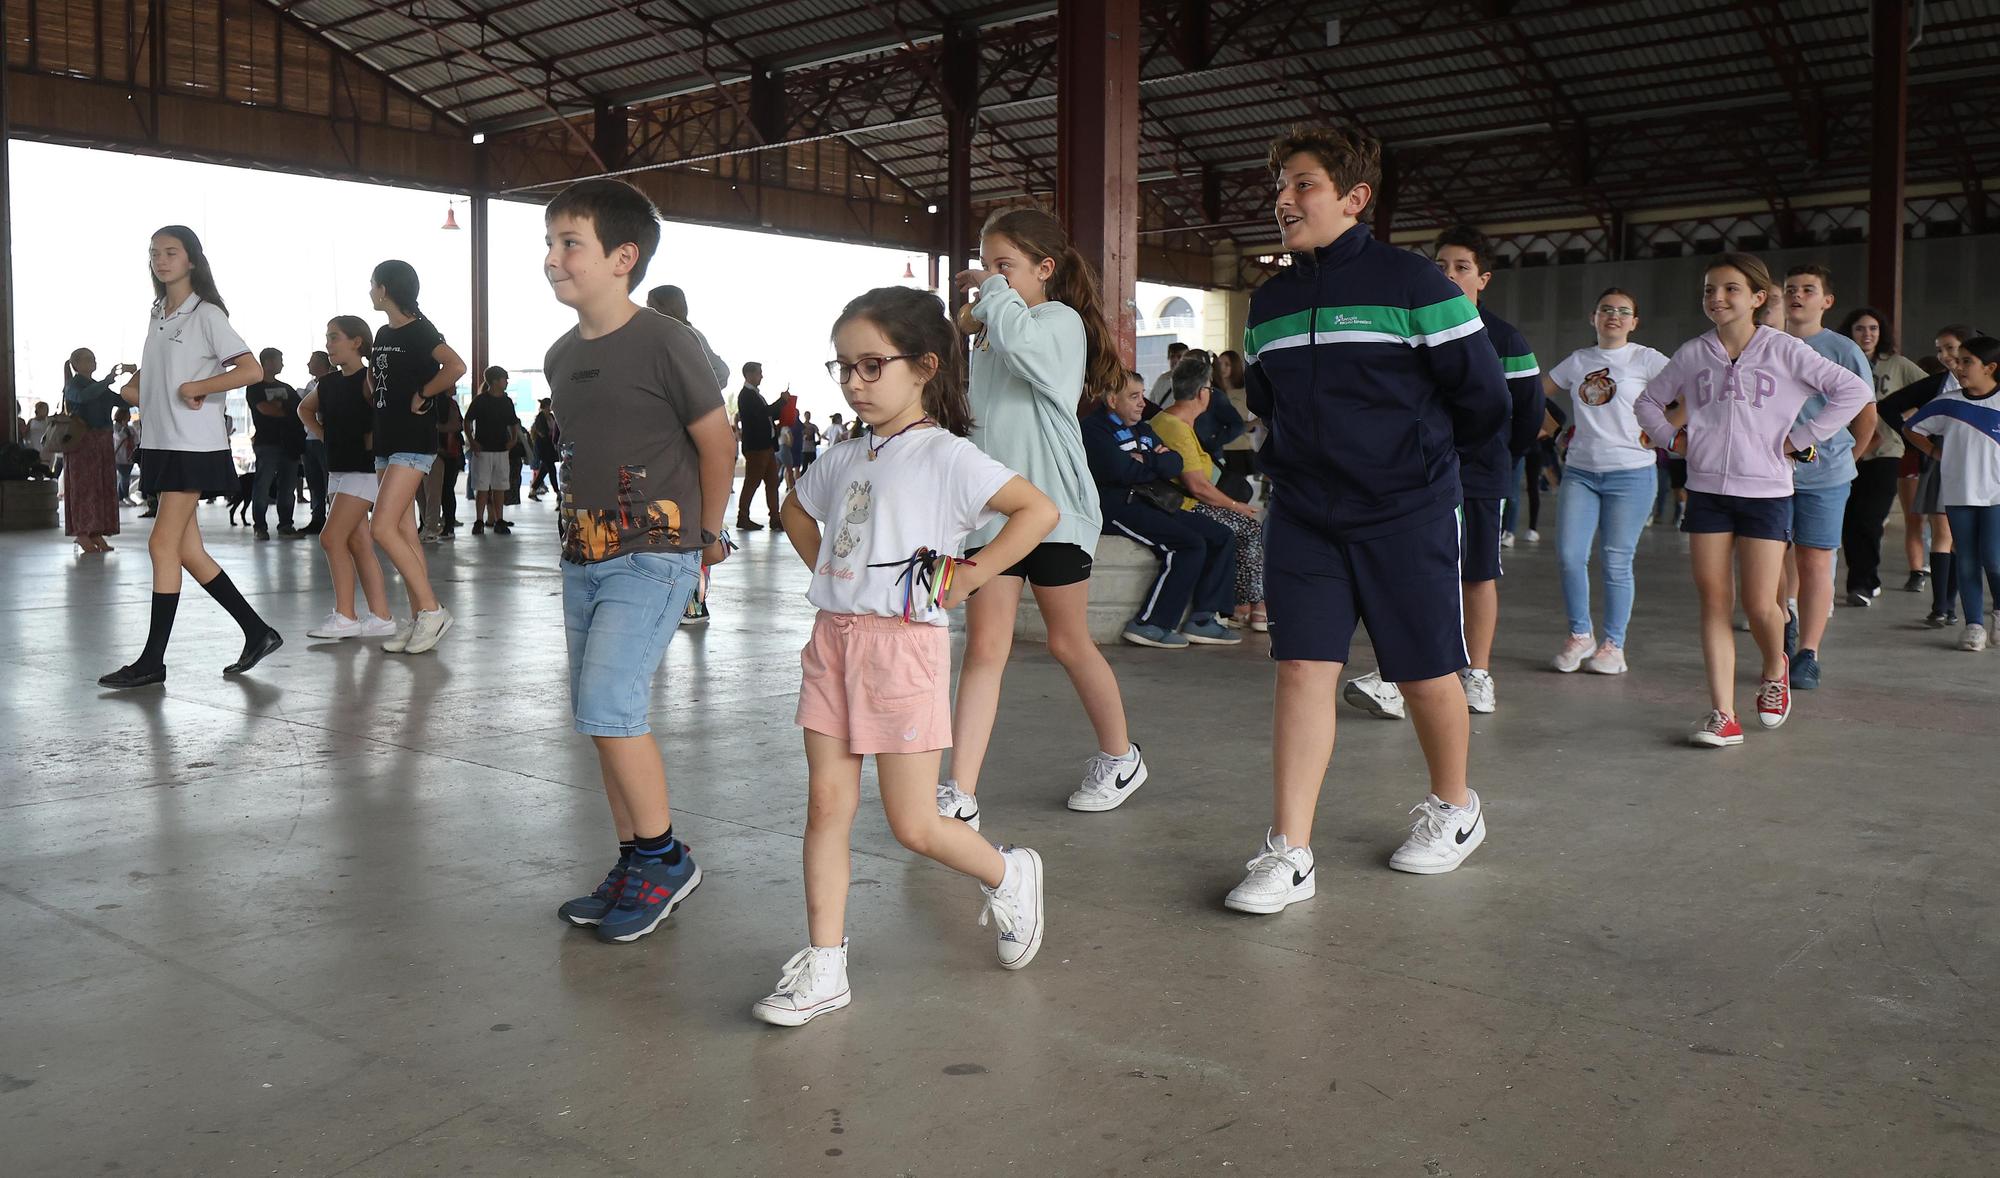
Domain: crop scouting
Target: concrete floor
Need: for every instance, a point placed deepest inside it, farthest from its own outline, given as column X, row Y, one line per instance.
column 302, row 923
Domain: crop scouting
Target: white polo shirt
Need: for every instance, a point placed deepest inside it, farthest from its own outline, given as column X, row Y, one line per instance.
column 189, row 344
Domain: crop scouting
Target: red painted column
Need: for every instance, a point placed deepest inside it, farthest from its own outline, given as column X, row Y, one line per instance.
column 1889, row 23
column 1097, row 148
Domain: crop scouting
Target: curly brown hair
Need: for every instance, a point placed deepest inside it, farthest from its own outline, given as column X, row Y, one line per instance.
column 1350, row 155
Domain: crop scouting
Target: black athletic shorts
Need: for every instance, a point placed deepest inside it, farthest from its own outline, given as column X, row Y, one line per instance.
column 1481, row 561
column 1677, row 473
column 1404, row 586
column 1050, row 565
column 1751, row 519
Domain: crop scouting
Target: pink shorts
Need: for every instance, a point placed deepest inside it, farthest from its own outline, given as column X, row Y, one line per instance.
column 883, row 685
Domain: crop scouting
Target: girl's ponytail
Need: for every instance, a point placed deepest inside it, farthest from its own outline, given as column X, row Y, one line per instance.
column 1073, row 284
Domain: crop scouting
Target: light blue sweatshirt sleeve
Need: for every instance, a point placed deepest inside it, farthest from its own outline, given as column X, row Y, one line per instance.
column 1046, row 349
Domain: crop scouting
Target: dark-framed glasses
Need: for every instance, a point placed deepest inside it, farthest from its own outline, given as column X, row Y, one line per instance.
column 870, row 368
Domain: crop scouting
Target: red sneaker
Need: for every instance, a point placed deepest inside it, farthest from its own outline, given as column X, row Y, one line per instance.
column 1774, row 698
column 1720, row 730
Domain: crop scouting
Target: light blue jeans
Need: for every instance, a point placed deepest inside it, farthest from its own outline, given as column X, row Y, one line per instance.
column 1615, row 502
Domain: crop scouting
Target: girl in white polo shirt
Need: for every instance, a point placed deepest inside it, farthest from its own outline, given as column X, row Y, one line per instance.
column 193, row 357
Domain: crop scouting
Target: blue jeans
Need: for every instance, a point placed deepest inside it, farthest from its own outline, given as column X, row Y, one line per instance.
column 1975, row 549
column 1616, row 502
column 618, row 617
column 277, row 477
column 1510, row 507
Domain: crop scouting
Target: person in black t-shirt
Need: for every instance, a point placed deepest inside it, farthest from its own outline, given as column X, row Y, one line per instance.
column 491, row 430
column 341, row 415
column 317, row 366
column 274, row 407
column 757, row 428
column 410, row 367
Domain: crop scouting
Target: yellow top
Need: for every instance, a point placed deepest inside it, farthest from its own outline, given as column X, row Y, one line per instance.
column 1179, row 437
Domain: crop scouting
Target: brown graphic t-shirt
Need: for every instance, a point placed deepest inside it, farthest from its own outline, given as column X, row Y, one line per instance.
column 631, row 478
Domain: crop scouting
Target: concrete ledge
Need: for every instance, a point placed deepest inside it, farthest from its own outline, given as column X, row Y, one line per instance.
column 27, row 505
column 1119, row 579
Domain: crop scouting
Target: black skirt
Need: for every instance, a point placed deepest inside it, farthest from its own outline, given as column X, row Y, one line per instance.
column 211, row 472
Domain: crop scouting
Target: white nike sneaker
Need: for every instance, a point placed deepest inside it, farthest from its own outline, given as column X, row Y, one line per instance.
column 1478, row 690
column 1280, row 876
column 954, row 802
column 814, row 982
column 1370, row 694
column 400, row 640
column 1441, row 837
column 1109, row 780
column 336, row 625
column 1576, row 648
column 1015, row 908
column 377, row 627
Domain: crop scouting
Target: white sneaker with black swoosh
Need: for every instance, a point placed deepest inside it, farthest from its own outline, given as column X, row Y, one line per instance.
column 1441, row 837
column 954, row 802
column 1109, row 780
column 1280, row 875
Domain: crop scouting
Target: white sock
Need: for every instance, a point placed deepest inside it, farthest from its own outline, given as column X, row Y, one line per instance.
column 1012, row 875
column 1131, row 754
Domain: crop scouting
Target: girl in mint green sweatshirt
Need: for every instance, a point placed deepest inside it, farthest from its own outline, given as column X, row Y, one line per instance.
column 1042, row 349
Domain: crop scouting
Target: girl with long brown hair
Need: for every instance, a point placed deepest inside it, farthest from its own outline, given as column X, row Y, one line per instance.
column 1042, row 346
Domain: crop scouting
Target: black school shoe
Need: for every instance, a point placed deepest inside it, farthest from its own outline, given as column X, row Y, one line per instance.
column 125, row 678
column 254, row 652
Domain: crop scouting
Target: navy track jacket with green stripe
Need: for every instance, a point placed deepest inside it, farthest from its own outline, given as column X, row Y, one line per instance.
column 1371, row 371
column 1487, row 471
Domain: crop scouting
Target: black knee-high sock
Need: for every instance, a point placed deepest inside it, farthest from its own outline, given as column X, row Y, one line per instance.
column 225, row 593
column 155, row 654
column 1944, row 583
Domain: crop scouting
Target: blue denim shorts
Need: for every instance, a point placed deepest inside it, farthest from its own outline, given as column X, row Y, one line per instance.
column 618, row 616
column 1817, row 513
column 421, row 463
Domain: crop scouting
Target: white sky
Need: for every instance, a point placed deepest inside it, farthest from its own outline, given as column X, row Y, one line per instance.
column 290, row 252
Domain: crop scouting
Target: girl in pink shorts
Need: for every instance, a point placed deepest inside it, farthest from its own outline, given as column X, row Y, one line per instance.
column 880, row 520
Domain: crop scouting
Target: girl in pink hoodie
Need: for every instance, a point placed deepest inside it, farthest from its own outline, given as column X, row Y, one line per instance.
column 1742, row 386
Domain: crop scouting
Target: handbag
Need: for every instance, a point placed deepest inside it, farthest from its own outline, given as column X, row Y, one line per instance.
column 65, row 430
column 1164, row 494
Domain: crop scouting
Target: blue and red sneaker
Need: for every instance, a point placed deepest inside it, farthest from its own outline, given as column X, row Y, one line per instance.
column 589, row 911
column 649, row 892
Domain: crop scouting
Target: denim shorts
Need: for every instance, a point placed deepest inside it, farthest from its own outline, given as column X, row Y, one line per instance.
column 1817, row 513
column 421, row 463
column 618, row 616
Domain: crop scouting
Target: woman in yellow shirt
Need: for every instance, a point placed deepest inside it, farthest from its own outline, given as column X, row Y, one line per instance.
column 1175, row 425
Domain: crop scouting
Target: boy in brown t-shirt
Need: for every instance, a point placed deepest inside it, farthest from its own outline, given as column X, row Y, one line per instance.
column 647, row 458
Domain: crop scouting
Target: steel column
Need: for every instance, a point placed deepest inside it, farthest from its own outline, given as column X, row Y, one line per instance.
column 482, row 272
column 1889, row 24
column 961, row 112
column 1097, row 149
column 8, row 402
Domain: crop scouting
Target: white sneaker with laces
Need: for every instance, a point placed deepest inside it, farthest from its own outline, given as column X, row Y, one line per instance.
column 1279, row 876
column 336, row 625
column 1974, row 637
column 1506, row 539
column 431, row 627
column 377, row 627
column 1533, row 536
column 813, row 983
column 400, row 640
column 1478, row 690
column 1576, row 648
column 1370, row 694
column 1015, row 908
column 1108, row 781
column 1609, row 660
column 1441, row 837
column 954, row 802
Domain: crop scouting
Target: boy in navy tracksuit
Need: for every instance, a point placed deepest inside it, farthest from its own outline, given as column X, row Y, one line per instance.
column 1485, row 473
column 1372, row 371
